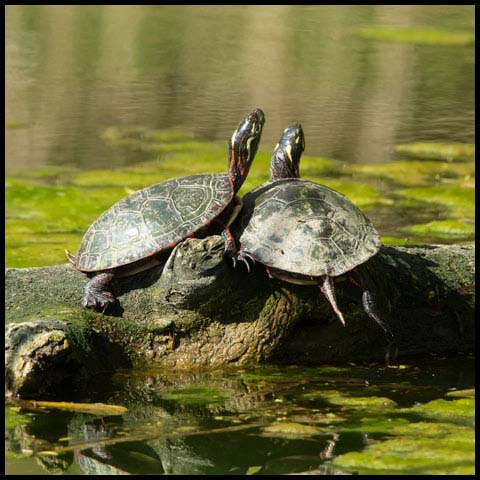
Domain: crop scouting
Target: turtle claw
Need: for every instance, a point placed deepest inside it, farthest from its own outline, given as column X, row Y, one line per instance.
column 244, row 256
column 246, row 264
column 240, row 256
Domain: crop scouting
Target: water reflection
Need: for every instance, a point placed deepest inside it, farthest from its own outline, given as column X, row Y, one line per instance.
column 270, row 420
column 73, row 71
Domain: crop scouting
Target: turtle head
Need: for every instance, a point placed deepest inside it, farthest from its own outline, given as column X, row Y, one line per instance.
column 242, row 147
column 286, row 156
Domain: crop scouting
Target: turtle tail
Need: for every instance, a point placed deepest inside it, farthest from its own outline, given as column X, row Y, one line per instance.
column 71, row 258
column 327, row 290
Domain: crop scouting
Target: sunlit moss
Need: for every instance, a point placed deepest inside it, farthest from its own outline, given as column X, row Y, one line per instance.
column 440, row 409
column 41, row 221
column 50, row 208
column 14, row 125
column 335, row 397
column 315, row 166
column 417, row 36
column 51, row 174
column 144, row 139
column 469, row 393
column 416, row 448
column 438, row 151
column 362, row 195
column 445, row 229
column 375, row 424
column 15, row 419
column 26, row 250
column 409, row 454
column 430, row 429
column 416, row 173
column 386, row 240
column 119, row 178
column 459, row 200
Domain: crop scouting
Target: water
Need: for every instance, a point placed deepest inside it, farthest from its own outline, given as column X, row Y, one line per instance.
column 265, row 420
column 75, row 72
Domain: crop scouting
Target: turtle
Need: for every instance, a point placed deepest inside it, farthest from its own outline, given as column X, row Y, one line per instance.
column 305, row 232
column 139, row 231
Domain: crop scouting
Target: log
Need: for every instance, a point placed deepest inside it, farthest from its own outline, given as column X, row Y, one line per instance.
column 197, row 310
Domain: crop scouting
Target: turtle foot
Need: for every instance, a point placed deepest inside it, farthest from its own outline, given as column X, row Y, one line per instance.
column 243, row 256
column 98, row 300
column 96, row 296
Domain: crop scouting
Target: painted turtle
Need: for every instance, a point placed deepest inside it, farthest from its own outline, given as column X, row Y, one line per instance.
column 304, row 232
column 137, row 232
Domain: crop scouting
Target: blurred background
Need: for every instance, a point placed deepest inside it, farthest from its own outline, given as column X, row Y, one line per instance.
column 73, row 71
column 104, row 100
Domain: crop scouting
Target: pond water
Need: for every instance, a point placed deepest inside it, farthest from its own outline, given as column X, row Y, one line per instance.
column 73, row 71
column 104, row 100
column 410, row 419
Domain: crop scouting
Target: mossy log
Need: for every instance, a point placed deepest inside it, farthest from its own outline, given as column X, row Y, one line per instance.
column 197, row 310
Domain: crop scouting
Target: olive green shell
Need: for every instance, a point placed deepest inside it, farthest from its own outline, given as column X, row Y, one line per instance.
column 153, row 219
column 305, row 228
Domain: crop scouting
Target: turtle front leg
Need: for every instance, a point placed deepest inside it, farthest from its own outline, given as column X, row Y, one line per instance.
column 231, row 251
column 96, row 293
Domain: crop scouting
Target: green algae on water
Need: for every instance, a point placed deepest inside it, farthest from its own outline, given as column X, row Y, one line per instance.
column 393, row 241
column 42, row 220
column 410, row 454
column 145, row 139
column 444, row 410
column 459, row 200
column 416, row 173
column 362, row 195
column 469, row 393
column 438, row 445
column 417, row 36
column 334, row 397
column 445, row 229
column 13, row 418
column 438, row 151
column 14, row 125
column 195, row 395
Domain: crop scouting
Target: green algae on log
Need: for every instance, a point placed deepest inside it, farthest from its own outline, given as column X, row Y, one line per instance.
column 201, row 312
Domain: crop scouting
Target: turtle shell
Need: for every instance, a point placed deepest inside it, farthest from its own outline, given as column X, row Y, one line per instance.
column 153, row 219
column 305, row 228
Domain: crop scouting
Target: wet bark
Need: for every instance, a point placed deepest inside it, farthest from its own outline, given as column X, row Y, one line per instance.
column 198, row 310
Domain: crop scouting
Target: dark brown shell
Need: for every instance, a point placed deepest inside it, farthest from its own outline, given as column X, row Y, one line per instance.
column 153, row 219
column 305, row 228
